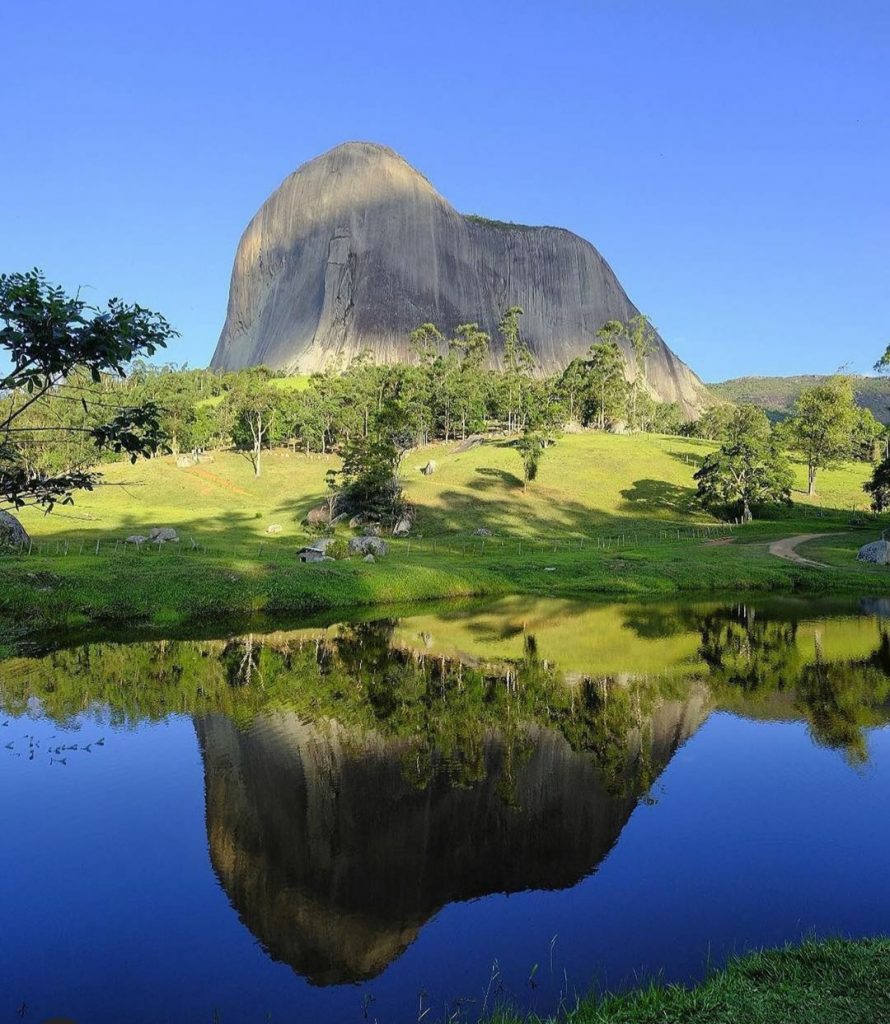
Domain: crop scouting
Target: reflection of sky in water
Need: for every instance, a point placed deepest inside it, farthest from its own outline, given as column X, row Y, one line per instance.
column 111, row 911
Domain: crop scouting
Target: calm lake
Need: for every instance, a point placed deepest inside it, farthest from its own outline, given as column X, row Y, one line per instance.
column 438, row 812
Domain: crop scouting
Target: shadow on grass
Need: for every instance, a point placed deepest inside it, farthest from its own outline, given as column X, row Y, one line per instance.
column 653, row 496
column 492, row 475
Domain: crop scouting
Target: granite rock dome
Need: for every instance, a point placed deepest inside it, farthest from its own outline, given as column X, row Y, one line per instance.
column 356, row 248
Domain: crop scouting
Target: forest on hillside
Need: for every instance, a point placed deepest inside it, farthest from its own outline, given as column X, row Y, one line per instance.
column 777, row 395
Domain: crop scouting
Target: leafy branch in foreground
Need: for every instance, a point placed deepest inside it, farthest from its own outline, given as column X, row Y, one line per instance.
column 52, row 340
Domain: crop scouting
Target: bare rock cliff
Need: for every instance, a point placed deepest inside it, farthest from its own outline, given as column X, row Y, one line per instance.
column 356, row 249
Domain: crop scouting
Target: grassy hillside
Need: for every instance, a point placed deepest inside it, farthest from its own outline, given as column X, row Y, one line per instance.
column 777, row 395
column 608, row 514
column 589, row 483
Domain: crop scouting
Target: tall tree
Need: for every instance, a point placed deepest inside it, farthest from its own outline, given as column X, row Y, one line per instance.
column 713, row 423
column 254, row 403
column 744, row 473
column 369, row 476
column 608, row 382
column 822, row 424
column 574, row 387
column 879, row 486
column 641, row 335
column 868, row 436
column 427, row 343
column 531, row 446
column 518, row 365
column 52, row 341
column 471, row 346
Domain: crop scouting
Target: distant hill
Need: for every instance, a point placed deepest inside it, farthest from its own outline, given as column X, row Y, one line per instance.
column 777, row 395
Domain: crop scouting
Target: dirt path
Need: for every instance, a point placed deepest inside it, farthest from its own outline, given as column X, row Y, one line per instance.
column 215, row 478
column 787, row 548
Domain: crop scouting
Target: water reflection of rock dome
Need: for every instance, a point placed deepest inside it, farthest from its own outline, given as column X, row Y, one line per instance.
column 334, row 856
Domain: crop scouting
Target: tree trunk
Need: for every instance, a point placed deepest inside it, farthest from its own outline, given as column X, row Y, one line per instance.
column 747, row 517
column 811, row 480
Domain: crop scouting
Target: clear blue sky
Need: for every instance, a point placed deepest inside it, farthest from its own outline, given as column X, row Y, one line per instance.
column 729, row 158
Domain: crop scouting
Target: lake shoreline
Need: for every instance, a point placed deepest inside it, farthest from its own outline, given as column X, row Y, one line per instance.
column 174, row 587
column 835, row 981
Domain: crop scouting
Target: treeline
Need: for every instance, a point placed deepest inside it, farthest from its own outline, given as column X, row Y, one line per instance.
column 448, row 393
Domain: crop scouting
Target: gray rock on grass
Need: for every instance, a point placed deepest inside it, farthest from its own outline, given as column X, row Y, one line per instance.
column 163, row 535
column 368, row 546
column 12, row 533
column 402, row 527
column 877, row 552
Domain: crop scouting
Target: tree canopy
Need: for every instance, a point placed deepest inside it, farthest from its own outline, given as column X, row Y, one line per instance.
column 60, row 349
column 821, row 428
column 747, row 471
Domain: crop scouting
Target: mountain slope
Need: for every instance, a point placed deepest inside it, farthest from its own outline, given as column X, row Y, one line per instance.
column 777, row 395
column 356, row 249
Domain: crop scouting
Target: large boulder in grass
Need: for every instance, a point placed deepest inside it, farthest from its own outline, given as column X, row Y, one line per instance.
column 878, row 553
column 12, row 533
column 368, row 546
column 163, row 535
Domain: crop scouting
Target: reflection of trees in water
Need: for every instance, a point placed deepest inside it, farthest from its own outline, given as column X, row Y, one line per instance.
column 445, row 707
column 744, row 649
column 751, row 660
column 759, row 655
column 837, row 699
column 240, row 658
column 753, row 656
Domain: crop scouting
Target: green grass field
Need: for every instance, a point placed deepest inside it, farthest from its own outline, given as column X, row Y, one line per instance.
column 608, row 515
column 588, row 483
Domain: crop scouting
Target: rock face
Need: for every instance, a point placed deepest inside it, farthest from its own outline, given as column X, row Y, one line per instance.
column 356, row 249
